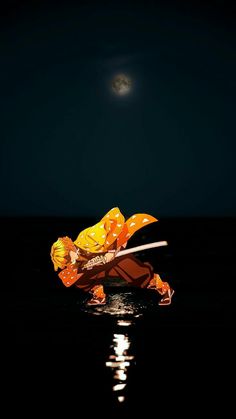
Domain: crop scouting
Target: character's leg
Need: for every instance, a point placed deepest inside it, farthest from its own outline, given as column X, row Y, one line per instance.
column 131, row 270
column 98, row 296
column 91, row 283
column 163, row 288
column 141, row 275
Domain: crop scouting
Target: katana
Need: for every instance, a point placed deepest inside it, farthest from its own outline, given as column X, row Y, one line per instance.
column 142, row 247
column 101, row 260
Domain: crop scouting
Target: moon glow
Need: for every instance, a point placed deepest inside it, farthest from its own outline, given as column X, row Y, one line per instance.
column 121, row 84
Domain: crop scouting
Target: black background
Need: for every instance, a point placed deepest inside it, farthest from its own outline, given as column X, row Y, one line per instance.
column 69, row 147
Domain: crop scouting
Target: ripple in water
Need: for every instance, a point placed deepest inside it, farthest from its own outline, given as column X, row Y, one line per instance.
column 121, row 305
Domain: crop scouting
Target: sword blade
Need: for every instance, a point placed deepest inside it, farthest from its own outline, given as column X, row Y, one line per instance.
column 142, row 247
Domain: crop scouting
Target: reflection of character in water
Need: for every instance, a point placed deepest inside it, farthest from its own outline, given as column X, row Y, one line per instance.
column 92, row 257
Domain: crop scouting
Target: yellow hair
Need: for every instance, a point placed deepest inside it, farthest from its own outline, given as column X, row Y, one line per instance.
column 60, row 252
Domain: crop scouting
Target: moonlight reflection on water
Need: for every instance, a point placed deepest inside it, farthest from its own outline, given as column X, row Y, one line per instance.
column 125, row 308
column 120, row 360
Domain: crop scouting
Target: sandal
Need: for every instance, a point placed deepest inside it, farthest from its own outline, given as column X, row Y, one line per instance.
column 166, row 301
column 96, row 301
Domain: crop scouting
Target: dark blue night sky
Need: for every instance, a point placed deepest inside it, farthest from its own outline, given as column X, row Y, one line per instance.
column 70, row 147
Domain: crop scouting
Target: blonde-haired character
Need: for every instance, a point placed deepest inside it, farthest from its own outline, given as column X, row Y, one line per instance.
column 61, row 252
column 91, row 258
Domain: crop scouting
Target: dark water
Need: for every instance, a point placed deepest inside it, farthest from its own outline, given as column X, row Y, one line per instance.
column 130, row 352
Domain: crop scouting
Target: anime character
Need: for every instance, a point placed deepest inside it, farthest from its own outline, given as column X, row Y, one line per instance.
column 91, row 258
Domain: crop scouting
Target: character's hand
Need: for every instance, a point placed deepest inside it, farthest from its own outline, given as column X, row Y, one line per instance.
column 120, row 248
column 109, row 256
column 73, row 256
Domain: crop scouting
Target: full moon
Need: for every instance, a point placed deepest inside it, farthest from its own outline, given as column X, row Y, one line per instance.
column 121, row 84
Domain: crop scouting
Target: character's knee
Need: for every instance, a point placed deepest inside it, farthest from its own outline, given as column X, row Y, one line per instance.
column 149, row 270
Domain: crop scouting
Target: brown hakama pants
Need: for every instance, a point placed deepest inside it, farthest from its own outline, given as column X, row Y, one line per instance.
column 126, row 267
